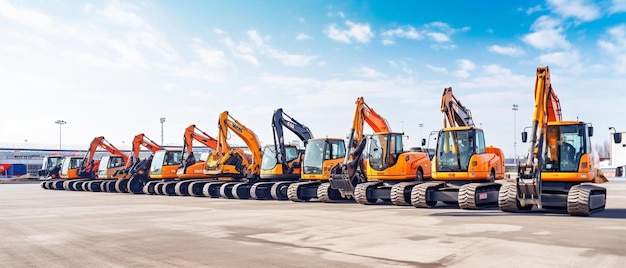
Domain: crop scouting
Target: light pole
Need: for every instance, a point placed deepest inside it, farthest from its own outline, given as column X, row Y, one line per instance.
column 162, row 119
column 421, row 126
column 60, row 123
column 515, row 108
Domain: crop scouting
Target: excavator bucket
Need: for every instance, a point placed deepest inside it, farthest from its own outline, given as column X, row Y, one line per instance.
column 600, row 178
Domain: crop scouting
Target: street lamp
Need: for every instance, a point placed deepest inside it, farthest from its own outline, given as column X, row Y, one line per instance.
column 162, row 119
column 515, row 108
column 60, row 123
column 421, row 126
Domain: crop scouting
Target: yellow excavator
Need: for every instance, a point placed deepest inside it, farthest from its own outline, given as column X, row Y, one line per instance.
column 560, row 169
column 389, row 173
column 282, row 162
column 320, row 155
column 464, row 168
column 235, row 173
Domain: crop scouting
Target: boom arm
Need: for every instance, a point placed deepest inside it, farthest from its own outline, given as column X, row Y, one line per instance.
column 142, row 140
column 88, row 165
column 345, row 176
column 455, row 114
column 279, row 120
column 227, row 122
column 547, row 109
column 363, row 113
column 194, row 133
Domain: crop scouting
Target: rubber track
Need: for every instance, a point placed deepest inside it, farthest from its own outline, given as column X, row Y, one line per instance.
column 397, row 193
column 121, row 186
column 467, row 195
column 418, row 194
column 254, row 187
column 322, row 192
column 578, row 199
column 178, row 187
column 292, row 191
column 236, row 188
column 207, row 187
column 360, row 192
column 274, row 191
column 223, row 192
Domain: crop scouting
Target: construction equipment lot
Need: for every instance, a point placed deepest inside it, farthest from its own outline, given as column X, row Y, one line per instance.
column 48, row 228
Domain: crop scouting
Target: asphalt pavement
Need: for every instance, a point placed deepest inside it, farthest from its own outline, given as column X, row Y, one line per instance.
column 53, row 228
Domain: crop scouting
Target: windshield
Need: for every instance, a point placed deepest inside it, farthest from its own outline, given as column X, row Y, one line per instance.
column 566, row 145
column 269, row 160
column 455, row 148
column 317, row 151
column 51, row 162
column 157, row 162
column 70, row 163
column 384, row 150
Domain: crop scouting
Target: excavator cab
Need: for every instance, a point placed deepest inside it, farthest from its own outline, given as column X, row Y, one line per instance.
column 165, row 164
column 109, row 165
column 320, row 155
column 50, row 167
column 384, row 150
column 566, row 146
column 456, row 147
column 269, row 163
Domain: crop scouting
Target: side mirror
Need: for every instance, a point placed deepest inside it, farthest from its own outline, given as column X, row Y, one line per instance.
column 524, row 136
column 617, row 137
column 423, row 142
column 590, row 130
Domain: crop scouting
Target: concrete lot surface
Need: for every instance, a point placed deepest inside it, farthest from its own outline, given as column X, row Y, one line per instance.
column 51, row 228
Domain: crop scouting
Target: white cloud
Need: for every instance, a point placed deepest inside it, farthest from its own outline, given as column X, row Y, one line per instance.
column 408, row 32
column 563, row 58
column 464, row 68
column 506, row 50
column 357, row 32
column 290, row 59
column 534, row 9
column 617, row 6
column 27, row 17
column 615, row 46
column 580, row 9
column 437, row 69
column 257, row 45
column 438, row 37
column 547, row 34
column 617, row 43
column 400, row 65
column 367, row 72
column 117, row 14
column 301, row 36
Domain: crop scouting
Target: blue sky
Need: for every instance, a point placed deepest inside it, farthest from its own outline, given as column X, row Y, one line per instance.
column 113, row 68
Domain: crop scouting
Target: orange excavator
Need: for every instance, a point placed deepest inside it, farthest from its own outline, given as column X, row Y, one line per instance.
column 560, row 169
column 464, row 168
column 282, row 162
column 389, row 173
column 190, row 169
column 134, row 175
column 234, row 172
column 163, row 167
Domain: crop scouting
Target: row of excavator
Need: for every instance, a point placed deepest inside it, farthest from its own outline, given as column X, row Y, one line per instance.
column 560, row 171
